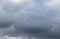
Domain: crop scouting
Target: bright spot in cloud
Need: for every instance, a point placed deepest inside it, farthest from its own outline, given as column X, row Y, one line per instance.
column 16, row 1
column 56, row 2
column 53, row 3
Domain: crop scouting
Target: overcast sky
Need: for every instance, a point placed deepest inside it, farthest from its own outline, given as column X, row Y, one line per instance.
column 30, row 18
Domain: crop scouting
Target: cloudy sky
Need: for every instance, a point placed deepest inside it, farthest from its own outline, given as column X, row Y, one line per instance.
column 38, row 19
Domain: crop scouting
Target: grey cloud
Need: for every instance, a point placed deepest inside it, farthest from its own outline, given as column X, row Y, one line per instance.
column 34, row 21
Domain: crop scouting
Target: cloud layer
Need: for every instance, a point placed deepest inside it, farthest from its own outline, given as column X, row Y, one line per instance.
column 33, row 18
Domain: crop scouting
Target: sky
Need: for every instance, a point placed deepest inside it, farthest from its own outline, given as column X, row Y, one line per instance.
column 38, row 19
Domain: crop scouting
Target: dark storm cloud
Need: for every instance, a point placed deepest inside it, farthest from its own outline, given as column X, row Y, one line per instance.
column 6, row 19
column 5, row 22
column 34, row 19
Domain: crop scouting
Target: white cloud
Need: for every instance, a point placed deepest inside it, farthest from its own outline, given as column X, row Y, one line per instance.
column 16, row 1
column 53, row 3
